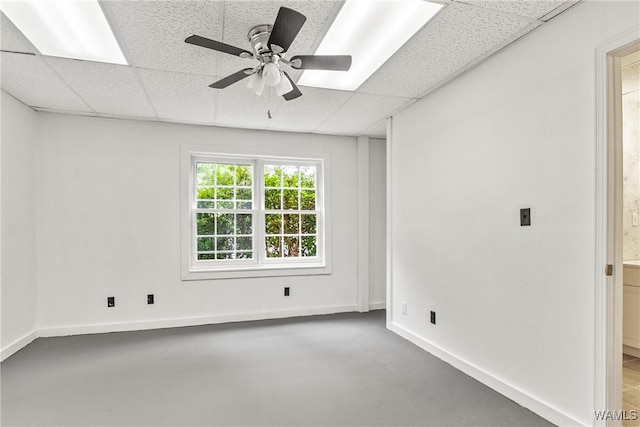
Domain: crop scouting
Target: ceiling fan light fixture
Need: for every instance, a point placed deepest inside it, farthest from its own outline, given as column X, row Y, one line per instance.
column 271, row 74
column 256, row 83
column 284, row 86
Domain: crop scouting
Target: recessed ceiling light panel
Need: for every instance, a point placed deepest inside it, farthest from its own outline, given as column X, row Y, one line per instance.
column 370, row 31
column 74, row 29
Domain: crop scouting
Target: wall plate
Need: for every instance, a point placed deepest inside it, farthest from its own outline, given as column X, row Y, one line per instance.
column 525, row 217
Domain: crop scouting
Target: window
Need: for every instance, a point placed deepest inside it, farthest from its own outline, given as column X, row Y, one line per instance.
column 254, row 214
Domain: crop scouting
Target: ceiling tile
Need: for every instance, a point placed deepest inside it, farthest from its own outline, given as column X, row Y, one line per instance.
column 107, row 88
column 12, row 39
column 152, row 33
column 361, row 112
column 239, row 107
column 29, row 79
column 306, row 113
column 534, row 9
column 456, row 37
column 181, row 97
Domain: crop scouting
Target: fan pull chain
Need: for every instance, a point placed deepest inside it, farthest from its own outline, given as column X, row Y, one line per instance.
column 269, row 115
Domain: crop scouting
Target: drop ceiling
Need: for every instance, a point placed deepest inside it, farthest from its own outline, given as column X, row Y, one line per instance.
column 167, row 80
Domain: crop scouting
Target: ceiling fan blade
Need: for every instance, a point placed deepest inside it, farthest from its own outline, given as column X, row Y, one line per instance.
column 285, row 29
column 219, row 46
column 233, row 78
column 321, row 62
column 294, row 93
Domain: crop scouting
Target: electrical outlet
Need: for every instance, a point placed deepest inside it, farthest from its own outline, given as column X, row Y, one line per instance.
column 150, row 299
column 404, row 308
column 286, row 291
column 111, row 301
column 433, row 317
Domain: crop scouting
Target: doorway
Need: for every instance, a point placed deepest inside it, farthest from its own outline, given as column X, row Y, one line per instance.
column 610, row 235
column 630, row 134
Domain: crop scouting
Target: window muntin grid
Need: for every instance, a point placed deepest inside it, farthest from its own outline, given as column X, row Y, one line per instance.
column 224, row 215
column 290, row 211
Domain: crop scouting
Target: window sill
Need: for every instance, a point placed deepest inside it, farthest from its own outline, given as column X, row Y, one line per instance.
column 255, row 271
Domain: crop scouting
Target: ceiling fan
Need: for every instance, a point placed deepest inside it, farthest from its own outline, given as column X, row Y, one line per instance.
column 270, row 43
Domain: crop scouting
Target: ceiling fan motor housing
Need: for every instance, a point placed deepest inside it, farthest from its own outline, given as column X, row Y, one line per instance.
column 259, row 38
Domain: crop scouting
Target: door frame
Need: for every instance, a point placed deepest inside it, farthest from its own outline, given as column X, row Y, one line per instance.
column 608, row 235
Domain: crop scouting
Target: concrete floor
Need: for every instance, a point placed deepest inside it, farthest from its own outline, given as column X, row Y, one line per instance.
column 337, row 370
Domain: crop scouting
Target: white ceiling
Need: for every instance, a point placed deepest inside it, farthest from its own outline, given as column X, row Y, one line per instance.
column 167, row 79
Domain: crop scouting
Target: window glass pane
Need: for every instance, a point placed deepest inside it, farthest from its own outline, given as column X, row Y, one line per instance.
column 244, row 243
column 224, row 205
column 291, row 224
column 224, row 255
column 309, row 246
column 206, row 204
column 244, row 255
column 225, row 174
column 291, row 246
column 274, row 247
column 273, row 223
column 206, row 244
column 224, row 243
column 243, row 194
column 224, row 224
column 290, row 198
column 308, row 224
column 205, row 224
column 272, row 176
column 225, row 193
column 244, row 224
column 308, row 177
column 290, row 176
column 272, row 199
column 243, row 175
column 206, row 256
column 308, row 200
column 206, row 193
column 206, row 173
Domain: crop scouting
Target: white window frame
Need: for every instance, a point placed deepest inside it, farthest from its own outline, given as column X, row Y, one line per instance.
column 260, row 265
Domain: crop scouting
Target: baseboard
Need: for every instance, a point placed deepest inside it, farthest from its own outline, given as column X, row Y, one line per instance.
column 191, row 321
column 378, row 305
column 17, row 345
column 632, row 351
column 519, row 396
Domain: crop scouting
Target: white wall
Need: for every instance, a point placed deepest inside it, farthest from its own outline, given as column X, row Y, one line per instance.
column 19, row 136
column 515, row 305
column 377, row 222
column 109, row 225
